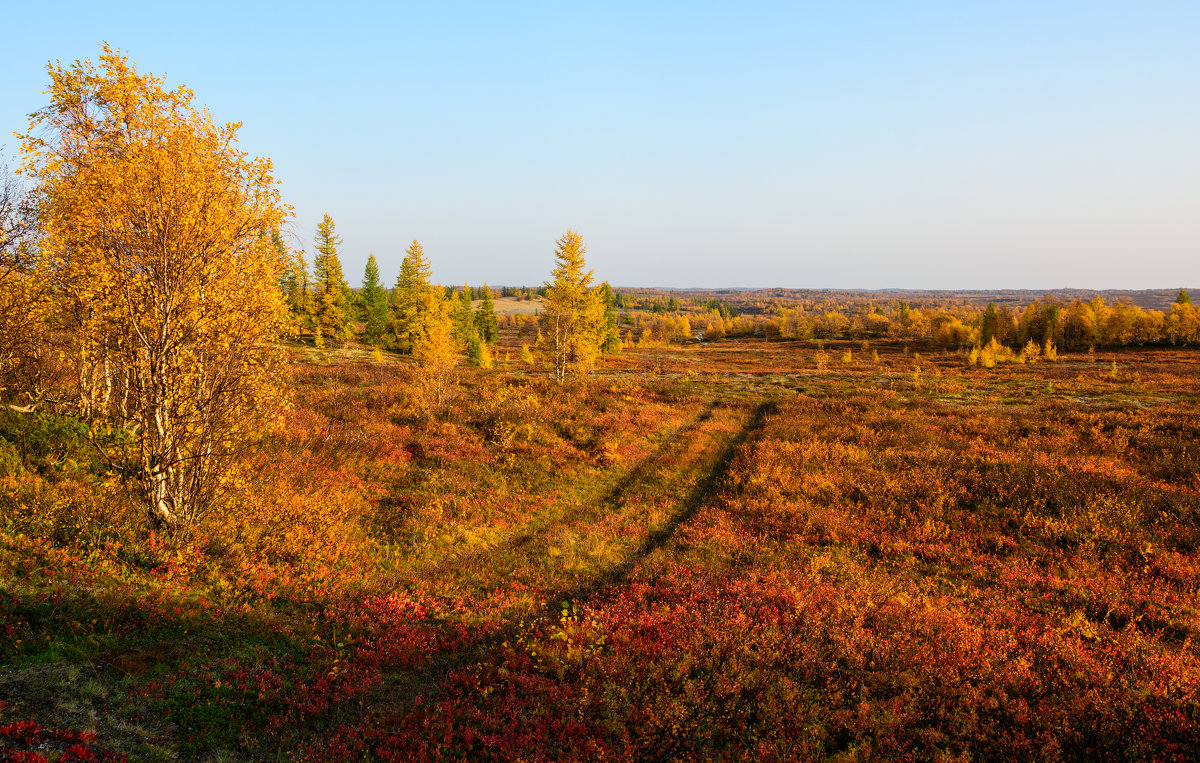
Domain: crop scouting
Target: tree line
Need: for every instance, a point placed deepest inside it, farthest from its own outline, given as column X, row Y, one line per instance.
column 1077, row 324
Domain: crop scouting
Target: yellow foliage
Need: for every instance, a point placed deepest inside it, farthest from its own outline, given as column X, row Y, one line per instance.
column 412, row 285
column 157, row 237
column 574, row 311
column 991, row 354
column 1031, row 353
column 313, row 527
column 434, row 348
column 484, row 359
column 24, row 303
column 683, row 328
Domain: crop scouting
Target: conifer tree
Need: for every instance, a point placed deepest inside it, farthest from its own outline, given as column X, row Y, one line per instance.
column 478, row 354
column 294, row 285
column 612, row 336
column 411, row 288
column 373, row 303
column 433, row 346
column 332, row 298
column 463, row 317
column 573, row 314
column 990, row 324
column 485, row 317
column 289, row 280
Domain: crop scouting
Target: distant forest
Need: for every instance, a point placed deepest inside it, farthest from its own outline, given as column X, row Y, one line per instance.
column 1149, row 299
column 1076, row 319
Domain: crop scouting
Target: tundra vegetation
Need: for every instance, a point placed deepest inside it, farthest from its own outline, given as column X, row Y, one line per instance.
column 562, row 521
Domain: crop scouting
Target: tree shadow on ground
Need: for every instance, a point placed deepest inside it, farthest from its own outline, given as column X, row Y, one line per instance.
column 403, row 688
column 586, row 510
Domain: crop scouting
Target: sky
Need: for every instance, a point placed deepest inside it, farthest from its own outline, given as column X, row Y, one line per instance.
column 938, row 145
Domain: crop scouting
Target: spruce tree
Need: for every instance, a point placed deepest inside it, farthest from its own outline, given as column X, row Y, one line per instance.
column 485, row 317
column 305, row 305
column 478, row 354
column 332, row 300
column 991, row 322
column 612, row 336
column 373, row 303
column 463, row 317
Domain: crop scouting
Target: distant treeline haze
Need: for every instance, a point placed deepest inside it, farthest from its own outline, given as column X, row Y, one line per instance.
column 1077, row 324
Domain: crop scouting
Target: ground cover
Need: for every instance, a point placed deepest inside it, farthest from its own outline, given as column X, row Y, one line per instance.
column 768, row 550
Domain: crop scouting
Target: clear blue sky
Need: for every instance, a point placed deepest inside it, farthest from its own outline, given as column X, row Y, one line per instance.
column 837, row 144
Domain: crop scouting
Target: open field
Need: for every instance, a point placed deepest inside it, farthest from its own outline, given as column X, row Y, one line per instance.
column 514, row 306
column 739, row 549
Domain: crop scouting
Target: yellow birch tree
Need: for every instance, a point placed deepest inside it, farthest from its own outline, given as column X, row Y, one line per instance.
column 157, row 240
column 23, row 299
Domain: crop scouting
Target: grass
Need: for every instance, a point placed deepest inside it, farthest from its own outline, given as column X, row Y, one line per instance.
column 724, row 549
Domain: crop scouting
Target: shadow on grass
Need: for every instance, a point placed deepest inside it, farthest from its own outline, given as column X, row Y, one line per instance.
column 698, row 497
column 587, row 510
column 402, row 689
